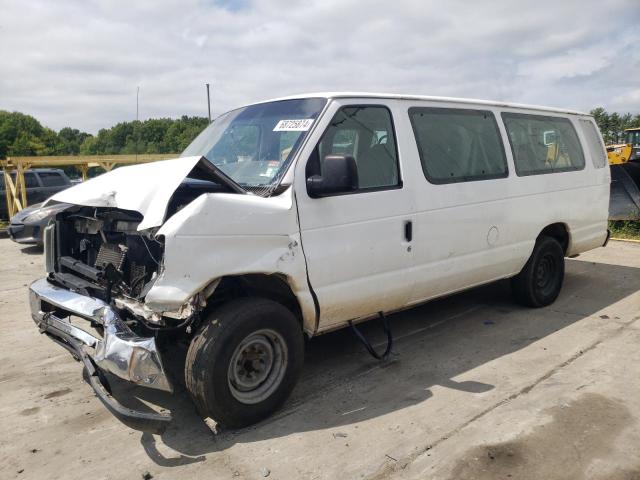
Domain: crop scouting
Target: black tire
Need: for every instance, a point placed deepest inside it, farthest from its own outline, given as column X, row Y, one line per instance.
column 540, row 281
column 247, row 330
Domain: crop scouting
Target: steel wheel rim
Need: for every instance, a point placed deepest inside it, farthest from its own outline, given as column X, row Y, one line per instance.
column 545, row 274
column 257, row 366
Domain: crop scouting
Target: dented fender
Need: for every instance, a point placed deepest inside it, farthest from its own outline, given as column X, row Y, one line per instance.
column 220, row 234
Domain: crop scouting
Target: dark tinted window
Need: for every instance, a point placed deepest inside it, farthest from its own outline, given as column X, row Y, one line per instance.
column 458, row 145
column 51, row 179
column 543, row 144
column 30, row 180
column 366, row 133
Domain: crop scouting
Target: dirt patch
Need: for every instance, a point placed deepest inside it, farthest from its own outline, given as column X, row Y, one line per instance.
column 58, row 393
column 578, row 433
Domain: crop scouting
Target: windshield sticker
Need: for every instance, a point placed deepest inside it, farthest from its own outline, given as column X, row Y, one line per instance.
column 299, row 125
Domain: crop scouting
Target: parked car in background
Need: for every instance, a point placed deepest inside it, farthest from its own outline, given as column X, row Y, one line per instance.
column 41, row 183
column 28, row 224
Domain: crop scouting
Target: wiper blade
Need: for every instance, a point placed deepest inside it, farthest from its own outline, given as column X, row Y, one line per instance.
column 211, row 169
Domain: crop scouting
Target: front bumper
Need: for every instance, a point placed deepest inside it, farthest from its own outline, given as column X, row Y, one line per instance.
column 27, row 234
column 120, row 351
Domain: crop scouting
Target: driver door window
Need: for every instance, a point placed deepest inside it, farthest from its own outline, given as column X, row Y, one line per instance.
column 367, row 134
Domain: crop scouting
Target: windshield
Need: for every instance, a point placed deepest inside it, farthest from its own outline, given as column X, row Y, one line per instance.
column 254, row 145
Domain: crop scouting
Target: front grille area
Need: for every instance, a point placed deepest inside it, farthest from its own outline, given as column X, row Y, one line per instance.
column 101, row 253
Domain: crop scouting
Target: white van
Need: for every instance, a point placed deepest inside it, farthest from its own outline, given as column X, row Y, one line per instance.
column 302, row 215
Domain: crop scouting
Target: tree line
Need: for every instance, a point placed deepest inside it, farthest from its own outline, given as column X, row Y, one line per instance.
column 612, row 125
column 23, row 135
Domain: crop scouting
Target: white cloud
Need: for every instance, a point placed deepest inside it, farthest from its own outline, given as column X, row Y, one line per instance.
column 79, row 63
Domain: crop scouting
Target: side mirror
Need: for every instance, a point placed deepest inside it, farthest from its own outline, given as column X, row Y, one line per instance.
column 339, row 175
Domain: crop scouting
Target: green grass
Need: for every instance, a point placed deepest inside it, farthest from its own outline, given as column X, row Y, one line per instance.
column 625, row 229
column 3, row 224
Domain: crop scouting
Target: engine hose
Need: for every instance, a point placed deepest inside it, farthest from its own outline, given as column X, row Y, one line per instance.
column 367, row 344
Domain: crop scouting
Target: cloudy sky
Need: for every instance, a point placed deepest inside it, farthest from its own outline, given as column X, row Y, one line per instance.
column 78, row 63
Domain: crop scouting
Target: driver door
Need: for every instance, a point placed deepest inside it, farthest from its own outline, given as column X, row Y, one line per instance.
column 358, row 243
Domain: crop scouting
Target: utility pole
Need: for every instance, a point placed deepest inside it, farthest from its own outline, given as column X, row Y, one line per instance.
column 209, row 102
column 137, row 120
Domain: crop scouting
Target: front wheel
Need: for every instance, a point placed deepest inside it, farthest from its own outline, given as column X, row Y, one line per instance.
column 540, row 281
column 244, row 361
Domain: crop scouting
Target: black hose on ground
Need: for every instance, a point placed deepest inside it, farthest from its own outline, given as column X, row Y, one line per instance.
column 367, row 344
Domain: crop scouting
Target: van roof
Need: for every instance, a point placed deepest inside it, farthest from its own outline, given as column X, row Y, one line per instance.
column 397, row 96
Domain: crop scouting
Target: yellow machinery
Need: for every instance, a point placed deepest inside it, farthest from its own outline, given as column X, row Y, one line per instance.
column 628, row 151
column 618, row 154
column 624, row 160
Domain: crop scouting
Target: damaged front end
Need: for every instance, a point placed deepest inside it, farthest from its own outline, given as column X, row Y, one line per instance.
column 100, row 267
column 102, row 257
column 135, row 259
column 115, row 348
column 100, row 253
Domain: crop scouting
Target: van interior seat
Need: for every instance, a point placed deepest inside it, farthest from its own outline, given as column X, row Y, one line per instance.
column 527, row 157
column 377, row 167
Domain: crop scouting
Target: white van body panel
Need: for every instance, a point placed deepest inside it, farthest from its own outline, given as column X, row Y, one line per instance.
column 464, row 234
column 221, row 234
column 356, row 256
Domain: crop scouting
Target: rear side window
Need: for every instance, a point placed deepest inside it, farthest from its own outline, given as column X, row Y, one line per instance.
column 594, row 143
column 51, row 179
column 457, row 145
column 543, row 144
column 365, row 132
column 30, row 180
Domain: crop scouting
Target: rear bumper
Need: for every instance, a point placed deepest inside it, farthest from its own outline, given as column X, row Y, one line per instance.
column 119, row 351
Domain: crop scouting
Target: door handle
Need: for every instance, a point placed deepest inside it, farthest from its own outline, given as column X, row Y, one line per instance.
column 408, row 230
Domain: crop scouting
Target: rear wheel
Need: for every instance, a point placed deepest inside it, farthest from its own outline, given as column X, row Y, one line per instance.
column 540, row 281
column 244, row 361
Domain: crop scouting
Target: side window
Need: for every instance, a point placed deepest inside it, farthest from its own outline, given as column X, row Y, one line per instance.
column 30, row 180
column 594, row 143
column 51, row 179
column 543, row 144
column 344, row 142
column 366, row 133
column 457, row 145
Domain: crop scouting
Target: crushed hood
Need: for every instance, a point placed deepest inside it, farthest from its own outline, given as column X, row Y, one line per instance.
column 145, row 188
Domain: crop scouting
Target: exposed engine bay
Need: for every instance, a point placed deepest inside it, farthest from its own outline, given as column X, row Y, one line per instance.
column 100, row 251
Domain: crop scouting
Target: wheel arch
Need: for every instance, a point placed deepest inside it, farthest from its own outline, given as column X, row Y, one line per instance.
column 559, row 231
column 274, row 286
